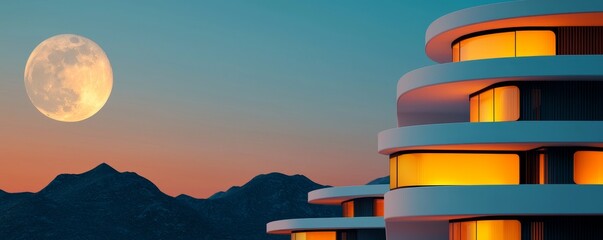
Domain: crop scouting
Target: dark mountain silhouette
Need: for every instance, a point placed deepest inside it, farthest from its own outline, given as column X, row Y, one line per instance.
column 381, row 180
column 266, row 198
column 106, row 204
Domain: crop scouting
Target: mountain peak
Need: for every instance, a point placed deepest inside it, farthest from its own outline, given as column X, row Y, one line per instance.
column 381, row 180
column 104, row 168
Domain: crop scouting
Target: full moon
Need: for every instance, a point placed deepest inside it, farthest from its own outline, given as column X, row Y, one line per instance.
column 68, row 78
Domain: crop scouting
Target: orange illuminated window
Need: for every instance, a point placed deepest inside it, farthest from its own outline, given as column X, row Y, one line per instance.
column 348, row 209
column 323, row 235
column 485, row 230
column 419, row 169
column 393, row 168
column 474, row 109
column 495, row 45
column 588, row 167
column 455, row 52
column 535, row 43
column 521, row 43
column 486, row 106
column 378, row 209
column 506, row 103
column 541, row 166
column 468, row 230
column 495, row 105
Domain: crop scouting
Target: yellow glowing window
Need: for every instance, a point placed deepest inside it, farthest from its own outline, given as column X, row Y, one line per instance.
column 419, row 169
column 393, row 168
column 495, row 45
column 521, row 43
column 588, row 167
column 348, row 209
column 378, row 209
column 324, row 235
column 506, row 103
column 495, row 105
column 474, row 109
column 535, row 43
column 485, row 230
column 486, row 106
column 456, row 52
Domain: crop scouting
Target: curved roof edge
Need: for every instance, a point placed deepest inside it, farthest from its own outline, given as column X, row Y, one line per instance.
column 313, row 224
column 337, row 195
column 531, row 13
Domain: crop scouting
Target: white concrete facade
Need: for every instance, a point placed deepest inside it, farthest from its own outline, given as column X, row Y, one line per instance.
column 434, row 110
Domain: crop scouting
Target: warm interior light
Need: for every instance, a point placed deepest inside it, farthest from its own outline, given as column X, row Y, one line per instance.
column 588, row 167
column 393, row 172
column 498, row 230
column 495, row 45
column 535, row 43
column 468, row 231
column 495, row 105
column 474, row 109
column 541, row 172
column 378, row 207
column 348, row 209
column 520, row 43
column 454, row 231
column 419, row 169
column 485, row 230
column 456, row 52
column 323, row 235
column 506, row 103
column 486, row 106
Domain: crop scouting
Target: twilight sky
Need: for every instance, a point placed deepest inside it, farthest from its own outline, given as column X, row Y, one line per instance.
column 208, row 94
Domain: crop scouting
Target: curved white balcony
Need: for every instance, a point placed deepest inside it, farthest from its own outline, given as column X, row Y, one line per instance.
column 542, row 13
column 453, row 202
column 337, row 195
column 511, row 136
column 314, row 224
column 440, row 93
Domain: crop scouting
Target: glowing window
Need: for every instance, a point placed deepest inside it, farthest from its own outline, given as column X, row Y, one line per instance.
column 378, row 207
column 455, row 52
column 506, row 103
column 486, row 106
column 535, row 43
column 323, row 235
column 521, row 43
column 495, row 45
column 541, row 166
column 495, row 105
column 485, row 230
column 420, row 169
column 393, row 172
column 588, row 167
column 474, row 109
column 348, row 209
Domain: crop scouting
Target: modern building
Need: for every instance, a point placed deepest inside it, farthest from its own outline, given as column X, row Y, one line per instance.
column 362, row 216
column 503, row 138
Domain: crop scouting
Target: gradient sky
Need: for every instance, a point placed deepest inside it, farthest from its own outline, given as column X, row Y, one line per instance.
column 208, row 94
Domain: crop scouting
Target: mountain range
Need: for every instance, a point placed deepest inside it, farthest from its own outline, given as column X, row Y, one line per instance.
column 106, row 204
